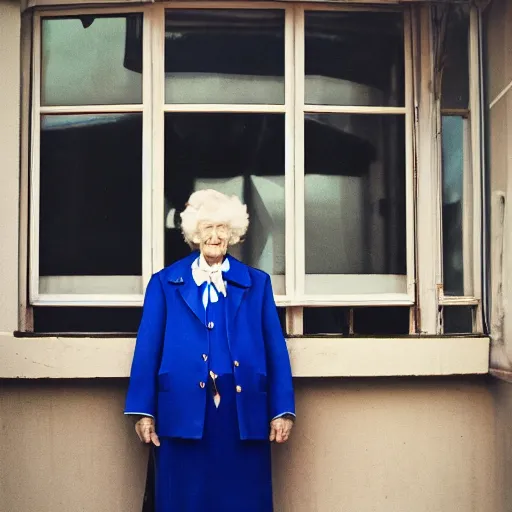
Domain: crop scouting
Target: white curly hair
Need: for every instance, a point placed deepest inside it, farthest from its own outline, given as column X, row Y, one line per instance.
column 212, row 206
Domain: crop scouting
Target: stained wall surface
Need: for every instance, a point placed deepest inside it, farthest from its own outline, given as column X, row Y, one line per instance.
column 10, row 65
column 498, row 106
column 498, row 110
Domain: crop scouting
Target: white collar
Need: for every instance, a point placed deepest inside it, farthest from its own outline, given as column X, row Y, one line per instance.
column 204, row 273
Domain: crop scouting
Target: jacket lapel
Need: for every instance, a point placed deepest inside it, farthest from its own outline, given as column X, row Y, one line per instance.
column 239, row 281
column 190, row 293
column 187, row 288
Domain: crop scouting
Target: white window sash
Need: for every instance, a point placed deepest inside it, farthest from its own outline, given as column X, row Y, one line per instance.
column 472, row 186
column 300, row 110
column 36, row 296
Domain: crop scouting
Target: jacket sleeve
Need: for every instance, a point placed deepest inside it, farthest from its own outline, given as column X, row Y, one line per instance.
column 142, row 390
column 279, row 375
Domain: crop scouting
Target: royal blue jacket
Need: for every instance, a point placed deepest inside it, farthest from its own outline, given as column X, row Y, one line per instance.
column 170, row 363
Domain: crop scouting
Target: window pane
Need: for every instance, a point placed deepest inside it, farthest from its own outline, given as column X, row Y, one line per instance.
column 454, row 160
column 458, row 319
column 381, row 321
column 354, row 58
column 86, row 320
column 370, row 321
column 91, row 204
column 224, row 56
column 240, row 154
column 326, row 321
column 91, row 60
column 355, row 203
column 455, row 73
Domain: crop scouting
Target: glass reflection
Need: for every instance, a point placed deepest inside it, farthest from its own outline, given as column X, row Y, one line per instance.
column 91, row 202
column 455, row 77
column 240, row 154
column 355, row 194
column 453, row 148
column 354, row 58
column 91, row 60
column 224, row 56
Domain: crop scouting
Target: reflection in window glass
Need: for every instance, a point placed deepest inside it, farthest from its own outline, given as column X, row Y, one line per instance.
column 90, row 238
column 240, row 154
column 454, row 160
column 355, row 194
column 91, row 60
column 224, row 56
column 354, row 58
column 455, row 77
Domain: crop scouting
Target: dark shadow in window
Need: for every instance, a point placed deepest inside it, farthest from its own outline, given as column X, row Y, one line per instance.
column 458, row 319
column 91, row 195
column 381, row 320
column 86, row 320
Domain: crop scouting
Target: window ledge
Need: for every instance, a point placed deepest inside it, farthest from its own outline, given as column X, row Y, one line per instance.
column 92, row 357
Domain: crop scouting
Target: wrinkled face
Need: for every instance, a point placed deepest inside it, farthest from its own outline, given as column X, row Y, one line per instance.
column 213, row 241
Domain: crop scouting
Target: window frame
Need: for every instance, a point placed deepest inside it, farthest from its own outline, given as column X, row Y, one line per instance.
column 153, row 109
column 302, row 298
column 84, row 299
column 160, row 108
column 472, row 184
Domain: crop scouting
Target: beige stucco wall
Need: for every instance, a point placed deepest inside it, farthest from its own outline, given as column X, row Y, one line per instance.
column 389, row 445
column 498, row 74
column 67, row 448
column 9, row 161
column 382, row 445
column 502, row 397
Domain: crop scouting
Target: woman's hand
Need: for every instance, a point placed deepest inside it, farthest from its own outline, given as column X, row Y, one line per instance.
column 280, row 429
column 145, row 429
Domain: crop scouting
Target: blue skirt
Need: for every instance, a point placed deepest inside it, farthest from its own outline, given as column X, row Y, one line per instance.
column 218, row 473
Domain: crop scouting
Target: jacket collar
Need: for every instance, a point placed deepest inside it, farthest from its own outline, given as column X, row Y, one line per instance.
column 180, row 274
column 238, row 273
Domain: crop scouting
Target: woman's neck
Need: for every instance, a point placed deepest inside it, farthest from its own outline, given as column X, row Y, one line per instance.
column 213, row 261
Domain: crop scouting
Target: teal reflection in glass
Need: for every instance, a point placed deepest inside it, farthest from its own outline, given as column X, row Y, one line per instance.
column 453, row 191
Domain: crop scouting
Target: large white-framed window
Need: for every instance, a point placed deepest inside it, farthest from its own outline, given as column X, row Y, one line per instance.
column 307, row 112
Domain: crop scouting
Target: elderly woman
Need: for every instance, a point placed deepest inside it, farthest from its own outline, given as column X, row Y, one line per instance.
column 211, row 376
